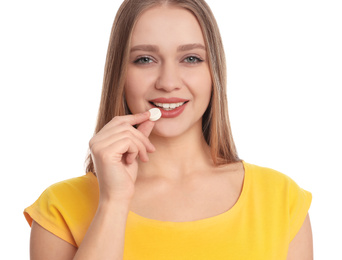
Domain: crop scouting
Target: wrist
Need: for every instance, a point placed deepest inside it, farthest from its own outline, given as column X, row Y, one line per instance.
column 110, row 202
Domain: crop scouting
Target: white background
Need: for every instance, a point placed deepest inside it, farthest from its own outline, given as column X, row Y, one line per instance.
column 284, row 80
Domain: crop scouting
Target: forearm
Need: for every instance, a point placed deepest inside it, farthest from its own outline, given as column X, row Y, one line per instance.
column 106, row 234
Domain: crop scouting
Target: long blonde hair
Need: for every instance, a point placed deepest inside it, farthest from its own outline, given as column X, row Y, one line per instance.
column 216, row 126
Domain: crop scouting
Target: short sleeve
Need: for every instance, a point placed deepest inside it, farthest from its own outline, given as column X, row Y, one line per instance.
column 300, row 201
column 47, row 212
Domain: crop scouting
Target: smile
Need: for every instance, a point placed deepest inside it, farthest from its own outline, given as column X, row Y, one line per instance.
column 168, row 106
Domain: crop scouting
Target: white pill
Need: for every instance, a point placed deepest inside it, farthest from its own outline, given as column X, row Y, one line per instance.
column 155, row 114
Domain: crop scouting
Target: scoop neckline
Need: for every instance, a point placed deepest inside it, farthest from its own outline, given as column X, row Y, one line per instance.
column 205, row 221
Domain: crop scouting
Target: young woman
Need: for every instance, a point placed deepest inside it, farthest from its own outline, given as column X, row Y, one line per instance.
column 174, row 188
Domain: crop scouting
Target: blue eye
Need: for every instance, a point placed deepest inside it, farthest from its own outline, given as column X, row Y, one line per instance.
column 143, row 60
column 193, row 59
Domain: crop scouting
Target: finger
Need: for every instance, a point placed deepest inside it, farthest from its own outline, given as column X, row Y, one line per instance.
column 129, row 158
column 129, row 151
column 133, row 119
column 130, row 119
column 114, row 133
column 134, row 151
column 146, row 127
column 122, row 143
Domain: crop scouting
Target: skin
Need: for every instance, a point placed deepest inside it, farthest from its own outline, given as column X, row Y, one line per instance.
column 169, row 71
column 139, row 157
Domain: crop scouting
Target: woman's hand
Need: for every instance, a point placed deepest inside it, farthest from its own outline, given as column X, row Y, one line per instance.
column 115, row 150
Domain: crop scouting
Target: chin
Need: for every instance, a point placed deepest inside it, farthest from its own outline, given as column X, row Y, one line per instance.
column 176, row 129
column 167, row 132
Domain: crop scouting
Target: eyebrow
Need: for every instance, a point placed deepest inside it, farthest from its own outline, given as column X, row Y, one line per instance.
column 145, row 47
column 154, row 48
column 188, row 47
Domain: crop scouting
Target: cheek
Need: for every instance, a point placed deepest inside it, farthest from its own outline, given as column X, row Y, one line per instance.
column 131, row 92
column 207, row 84
column 201, row 84
column 136, row 89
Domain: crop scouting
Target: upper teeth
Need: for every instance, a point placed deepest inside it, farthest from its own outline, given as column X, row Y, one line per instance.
column 169, row 105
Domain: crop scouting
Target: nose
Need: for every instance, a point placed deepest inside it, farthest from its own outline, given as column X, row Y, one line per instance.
column 169, row 77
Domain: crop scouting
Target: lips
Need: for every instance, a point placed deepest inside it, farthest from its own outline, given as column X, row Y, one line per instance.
column 170, row 107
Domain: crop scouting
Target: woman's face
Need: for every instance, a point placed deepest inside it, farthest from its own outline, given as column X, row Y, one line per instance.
column 168, row 68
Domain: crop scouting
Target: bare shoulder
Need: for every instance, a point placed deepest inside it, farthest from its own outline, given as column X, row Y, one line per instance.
column 235, row 172
column 45, row 245
column 231, row 168
column 301, row 247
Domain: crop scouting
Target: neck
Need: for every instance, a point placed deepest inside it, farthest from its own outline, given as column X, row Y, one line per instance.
column 177, row 157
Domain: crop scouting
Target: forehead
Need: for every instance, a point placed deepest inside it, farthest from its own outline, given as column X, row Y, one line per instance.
column 167, row 25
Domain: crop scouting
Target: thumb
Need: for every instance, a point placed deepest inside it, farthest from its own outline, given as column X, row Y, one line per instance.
column 146, row 127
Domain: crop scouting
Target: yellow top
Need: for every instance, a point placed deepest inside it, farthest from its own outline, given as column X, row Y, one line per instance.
column 267, row 216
